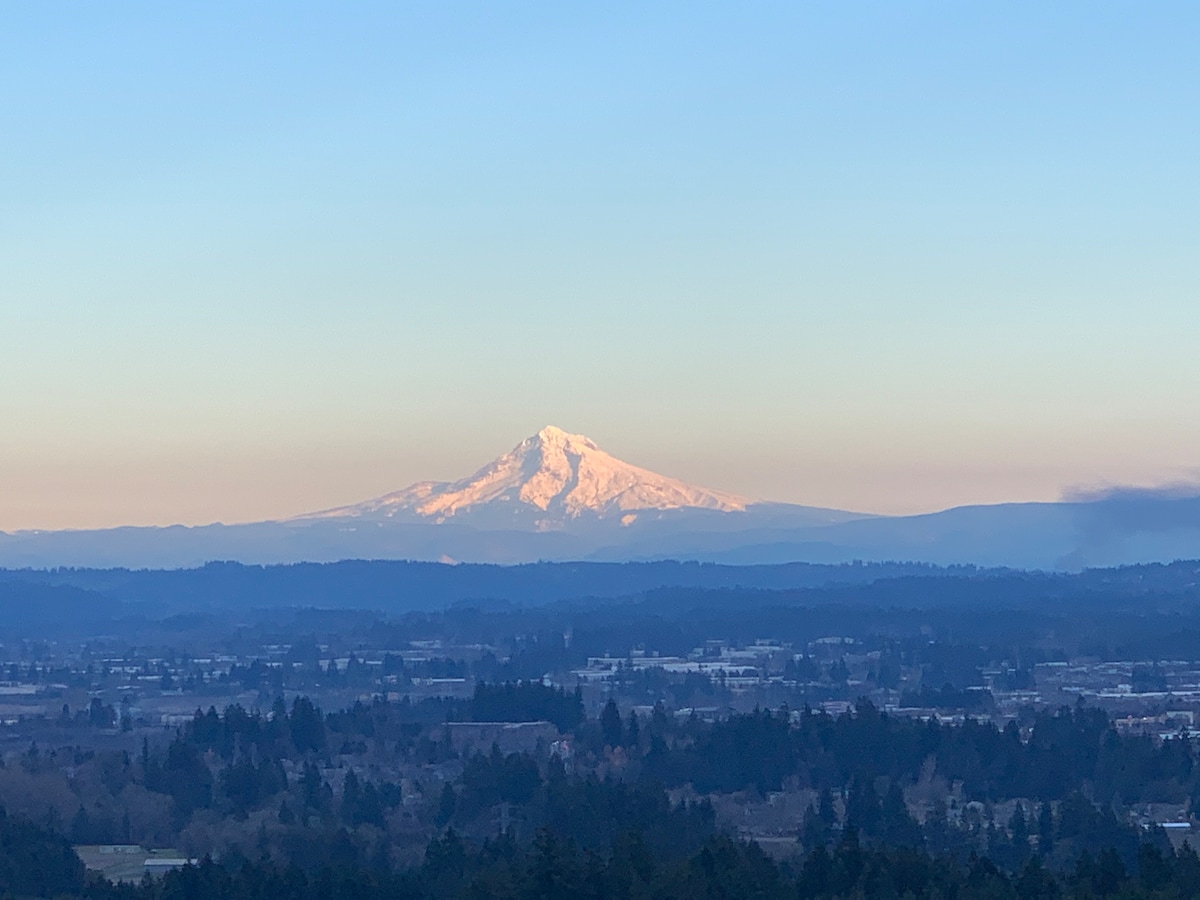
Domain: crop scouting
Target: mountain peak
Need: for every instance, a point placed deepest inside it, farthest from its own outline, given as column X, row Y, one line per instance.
column 554, row 436
column 547, row 480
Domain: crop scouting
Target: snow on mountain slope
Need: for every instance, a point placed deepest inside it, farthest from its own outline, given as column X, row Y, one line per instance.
column 547, row 480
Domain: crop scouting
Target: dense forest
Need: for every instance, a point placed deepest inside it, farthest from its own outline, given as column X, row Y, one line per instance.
column 239, row 763
column 630, row 812
column 34, row 862
column 722, row 869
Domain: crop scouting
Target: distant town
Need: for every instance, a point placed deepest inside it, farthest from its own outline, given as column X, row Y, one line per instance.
column 404, row 704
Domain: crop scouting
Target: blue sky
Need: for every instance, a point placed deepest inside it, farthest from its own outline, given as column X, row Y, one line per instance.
column 257, row 259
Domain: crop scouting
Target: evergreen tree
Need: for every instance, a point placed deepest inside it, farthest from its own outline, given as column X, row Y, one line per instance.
column 633, row 732
column 610, row 724
column 1045, row 830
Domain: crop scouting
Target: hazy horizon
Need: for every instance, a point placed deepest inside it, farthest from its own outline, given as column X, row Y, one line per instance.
column 1180, row 487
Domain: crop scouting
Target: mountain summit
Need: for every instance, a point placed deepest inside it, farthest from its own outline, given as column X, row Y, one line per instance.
column 546, row 481
column 557, row 496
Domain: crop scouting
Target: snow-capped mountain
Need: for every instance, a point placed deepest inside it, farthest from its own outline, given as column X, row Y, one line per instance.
column 547, row 481
column 557, row 496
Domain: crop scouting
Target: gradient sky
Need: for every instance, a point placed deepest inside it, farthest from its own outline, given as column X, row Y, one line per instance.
column 258, row 259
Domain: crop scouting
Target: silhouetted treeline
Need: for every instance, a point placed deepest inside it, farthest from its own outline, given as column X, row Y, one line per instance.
column 609, row 826
column 551, row 866
column 36, row 863
column 526, row 702
column 1047, row 758
column 1065, row 750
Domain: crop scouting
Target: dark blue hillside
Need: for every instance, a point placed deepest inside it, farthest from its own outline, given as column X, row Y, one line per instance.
column 410, row 586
